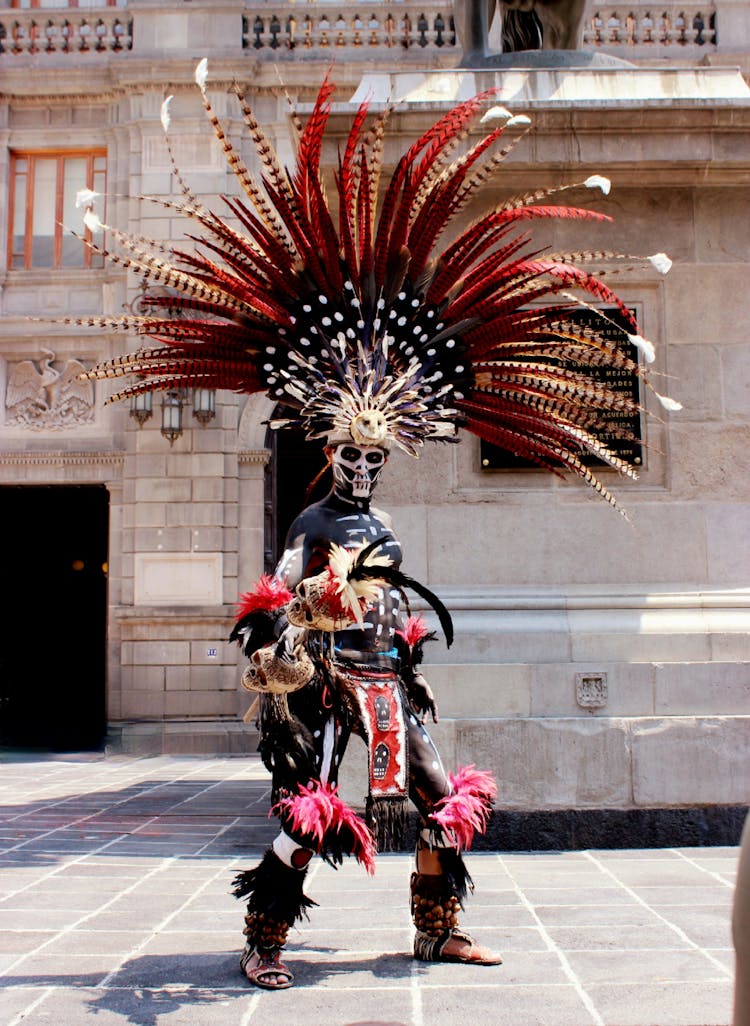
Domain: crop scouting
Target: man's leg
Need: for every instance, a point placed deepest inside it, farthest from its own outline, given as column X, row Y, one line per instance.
column 441, row 880
column 275, row 901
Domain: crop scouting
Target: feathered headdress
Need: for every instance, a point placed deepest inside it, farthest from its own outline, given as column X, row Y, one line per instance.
column 350, row 317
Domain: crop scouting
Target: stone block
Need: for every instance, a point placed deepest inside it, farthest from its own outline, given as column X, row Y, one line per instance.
column 177, row 678
column 210, row 653
column 719, row 233
column 150, row 465
column 206, row 539
column 160, row 653
column 143, row 678
column 697, row 383
column 712, row 461
column 140, row 704
column 410, row 524
column 200, row 703
column 483, row 690
column 149, row 514
column 728, row 552
column 690, row 760
column 193, row 514
column 547, row 764
column 509, row 635
column 211, row 678
column 736, row 381
column 691, row 318
column 730, row 646
column 707, row 689
column 197, row 465
column 641, row 648
column 178, row 579
column 554, row 545
column 163, row 490
column 156, row 184
column 630, row 689
column 161, row 539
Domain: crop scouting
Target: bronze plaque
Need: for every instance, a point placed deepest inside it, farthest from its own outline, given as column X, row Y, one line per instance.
column 494, row 458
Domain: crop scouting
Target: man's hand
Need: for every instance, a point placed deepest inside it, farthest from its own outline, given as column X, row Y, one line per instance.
column 422, row 698
column 289, row 641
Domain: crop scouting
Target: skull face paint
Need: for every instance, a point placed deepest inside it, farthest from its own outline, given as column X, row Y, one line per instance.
column 380, row 759
column 356, row 469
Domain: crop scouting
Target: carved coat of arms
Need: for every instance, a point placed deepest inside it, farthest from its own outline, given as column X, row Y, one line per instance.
column 41, row 395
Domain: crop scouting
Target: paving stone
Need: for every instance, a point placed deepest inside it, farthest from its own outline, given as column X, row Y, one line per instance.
column 648, row 965
column 643, row 1004
column 129, row 870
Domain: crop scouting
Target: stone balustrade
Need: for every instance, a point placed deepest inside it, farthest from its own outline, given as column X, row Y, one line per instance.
column 65, row 30
column 281, row 31
column 279, row 27
column 674, row 26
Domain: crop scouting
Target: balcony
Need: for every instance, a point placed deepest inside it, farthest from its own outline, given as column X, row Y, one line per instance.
column 93, row 30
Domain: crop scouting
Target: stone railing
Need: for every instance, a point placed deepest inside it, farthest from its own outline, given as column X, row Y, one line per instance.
column 674, row 27
column 294, row 26
column 65, row 31
column 637, row 29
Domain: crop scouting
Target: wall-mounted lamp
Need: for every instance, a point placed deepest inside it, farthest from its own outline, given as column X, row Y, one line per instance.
column 204, row 405
column 141, row 407
column 171, row 414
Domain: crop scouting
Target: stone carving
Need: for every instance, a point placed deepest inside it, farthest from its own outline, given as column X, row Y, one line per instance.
column 527, row 25
column 39, row 395
column 591, row 690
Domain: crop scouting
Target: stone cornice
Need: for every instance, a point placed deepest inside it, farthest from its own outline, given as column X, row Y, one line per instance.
column 61, row 458
column 253, row 456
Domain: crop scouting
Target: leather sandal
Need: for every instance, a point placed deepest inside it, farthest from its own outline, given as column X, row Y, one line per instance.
column 270, row 973
column 432, row 949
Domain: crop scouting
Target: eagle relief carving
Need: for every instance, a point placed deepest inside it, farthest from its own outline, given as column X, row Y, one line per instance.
column 44, row 396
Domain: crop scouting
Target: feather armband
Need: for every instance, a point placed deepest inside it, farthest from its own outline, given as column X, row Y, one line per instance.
column 259, row 612
column 326, row 823
column 338, row 597
column 410, row 641
column 468, row 808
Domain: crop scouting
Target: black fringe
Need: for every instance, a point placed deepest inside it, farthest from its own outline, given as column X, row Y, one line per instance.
column 455, row 871
column 387, row 818
column 274, row 889
column 286, row 745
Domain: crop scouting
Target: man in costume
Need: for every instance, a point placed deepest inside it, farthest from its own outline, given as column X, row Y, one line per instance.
column 367, row 334
column 363, row 678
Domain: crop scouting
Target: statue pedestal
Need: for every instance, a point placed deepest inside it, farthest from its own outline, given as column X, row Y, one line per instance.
column 519, row 83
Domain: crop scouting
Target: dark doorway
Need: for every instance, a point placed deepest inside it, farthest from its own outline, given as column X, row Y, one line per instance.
column 53, row 631
column 292, row 468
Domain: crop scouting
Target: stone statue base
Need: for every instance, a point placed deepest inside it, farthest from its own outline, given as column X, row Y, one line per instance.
column 534, row 59
column 520, row 82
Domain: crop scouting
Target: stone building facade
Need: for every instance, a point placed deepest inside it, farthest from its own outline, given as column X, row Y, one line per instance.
column 598, row 664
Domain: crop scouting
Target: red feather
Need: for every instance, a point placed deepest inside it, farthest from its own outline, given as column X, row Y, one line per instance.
column 467, row 810
column 414, row 630
column 317, row 809
column 267, row 595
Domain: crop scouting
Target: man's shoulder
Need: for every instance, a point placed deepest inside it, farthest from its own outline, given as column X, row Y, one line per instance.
column 381, row 515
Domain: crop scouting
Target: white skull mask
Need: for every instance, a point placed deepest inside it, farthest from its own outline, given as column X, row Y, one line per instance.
column 356, row 469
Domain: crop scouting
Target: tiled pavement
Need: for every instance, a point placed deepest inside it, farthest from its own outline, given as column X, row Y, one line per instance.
column 115, row 909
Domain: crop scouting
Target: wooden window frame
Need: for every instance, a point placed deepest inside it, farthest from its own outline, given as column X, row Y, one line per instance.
column 59, row 156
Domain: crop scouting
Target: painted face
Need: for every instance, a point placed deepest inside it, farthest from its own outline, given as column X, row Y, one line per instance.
column 356, row 469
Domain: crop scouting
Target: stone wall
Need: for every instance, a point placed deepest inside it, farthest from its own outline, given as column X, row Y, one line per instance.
column 551, row 589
